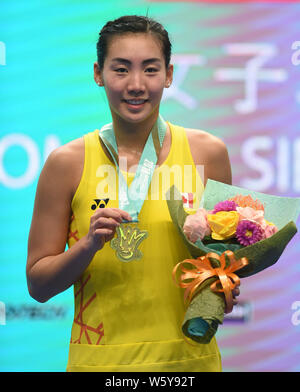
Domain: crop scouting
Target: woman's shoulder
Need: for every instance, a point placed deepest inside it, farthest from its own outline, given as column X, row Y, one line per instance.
column 211, row 152
column 65, row 164
column 204, row 144
column 200, row 136
column 67, row 154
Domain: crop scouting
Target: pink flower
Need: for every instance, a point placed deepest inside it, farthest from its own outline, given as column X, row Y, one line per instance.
column 196, row 225
column 227, row 205
column 251, row 214
column 268, row 229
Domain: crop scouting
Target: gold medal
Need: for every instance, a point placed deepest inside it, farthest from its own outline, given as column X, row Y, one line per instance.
column 128, row 239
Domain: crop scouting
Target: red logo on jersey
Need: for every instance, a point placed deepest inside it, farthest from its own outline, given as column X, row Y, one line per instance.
column 188, row 200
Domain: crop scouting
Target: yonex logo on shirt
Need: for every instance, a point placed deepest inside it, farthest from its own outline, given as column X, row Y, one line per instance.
column 99, row 203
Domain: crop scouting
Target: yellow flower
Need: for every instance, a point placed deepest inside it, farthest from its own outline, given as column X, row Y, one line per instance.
column 223, row 224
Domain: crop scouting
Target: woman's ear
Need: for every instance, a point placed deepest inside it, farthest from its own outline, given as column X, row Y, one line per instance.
column 97, row 75
column 169, row 77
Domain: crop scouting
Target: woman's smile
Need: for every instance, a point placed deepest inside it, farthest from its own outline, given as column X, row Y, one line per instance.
column 135, row 104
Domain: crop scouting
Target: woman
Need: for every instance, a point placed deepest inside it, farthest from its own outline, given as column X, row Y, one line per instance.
column 122, row 244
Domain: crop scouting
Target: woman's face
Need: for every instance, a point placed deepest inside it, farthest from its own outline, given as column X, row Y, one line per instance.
column 134, row 76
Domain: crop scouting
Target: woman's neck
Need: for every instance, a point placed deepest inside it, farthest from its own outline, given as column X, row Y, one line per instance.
column 132, row 136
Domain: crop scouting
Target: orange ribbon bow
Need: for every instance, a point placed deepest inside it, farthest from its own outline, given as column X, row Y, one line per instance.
column 202, row 270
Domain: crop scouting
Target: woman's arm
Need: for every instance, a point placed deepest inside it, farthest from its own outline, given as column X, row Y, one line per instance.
column 210, row 152
column 50, row 269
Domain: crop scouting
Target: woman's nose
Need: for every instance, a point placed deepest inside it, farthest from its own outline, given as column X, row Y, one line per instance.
column 136, row 83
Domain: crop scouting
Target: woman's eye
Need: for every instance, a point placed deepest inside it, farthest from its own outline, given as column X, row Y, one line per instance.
column 151, row 70
column 121, row 70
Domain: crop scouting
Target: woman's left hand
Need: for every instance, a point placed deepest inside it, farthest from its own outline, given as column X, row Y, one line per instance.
column 235, row 293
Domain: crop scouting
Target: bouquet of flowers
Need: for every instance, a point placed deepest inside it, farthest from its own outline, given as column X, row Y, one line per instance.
column 235, row 233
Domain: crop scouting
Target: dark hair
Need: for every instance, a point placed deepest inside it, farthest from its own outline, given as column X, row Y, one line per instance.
column 132, row 24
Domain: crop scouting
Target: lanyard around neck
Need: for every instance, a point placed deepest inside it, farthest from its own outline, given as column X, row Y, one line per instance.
column 131, row 199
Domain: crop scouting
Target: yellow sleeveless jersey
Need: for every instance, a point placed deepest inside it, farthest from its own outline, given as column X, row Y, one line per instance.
column 128, row 315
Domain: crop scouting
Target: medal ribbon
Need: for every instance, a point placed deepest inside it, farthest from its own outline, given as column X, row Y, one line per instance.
column 202, row 270
column 131, row 199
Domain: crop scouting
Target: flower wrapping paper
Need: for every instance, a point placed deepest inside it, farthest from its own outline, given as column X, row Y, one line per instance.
column 206, row 310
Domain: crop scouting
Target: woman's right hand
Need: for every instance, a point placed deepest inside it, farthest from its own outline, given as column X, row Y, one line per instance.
column 103, row 226
column 51, row 268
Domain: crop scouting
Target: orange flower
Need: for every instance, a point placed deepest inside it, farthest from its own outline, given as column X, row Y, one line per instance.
column 247, row 201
